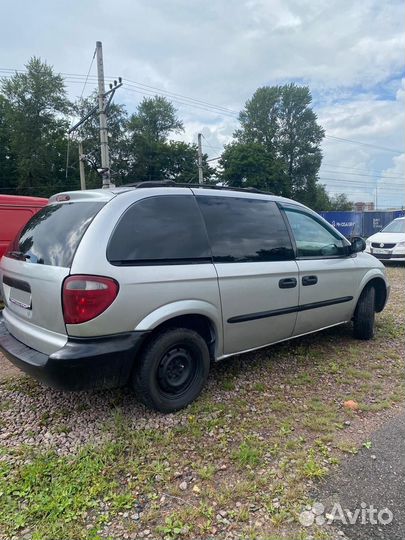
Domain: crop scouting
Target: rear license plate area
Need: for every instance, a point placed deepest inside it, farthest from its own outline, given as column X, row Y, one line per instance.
column 19, row 292
column 20, row 298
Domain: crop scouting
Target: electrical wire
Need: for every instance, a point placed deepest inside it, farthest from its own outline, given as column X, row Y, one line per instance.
column 331, row 171
column 141, row 88
column 342, row 139
column 210, row 145
column 204, row 105
column 88, row 73
column 354, row 181
column 377, row 171
column 81, row 97
column 179, row 101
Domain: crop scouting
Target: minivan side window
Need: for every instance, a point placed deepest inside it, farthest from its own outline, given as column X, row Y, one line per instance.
column 312, row 238
column 245, row 230
column 160, row 230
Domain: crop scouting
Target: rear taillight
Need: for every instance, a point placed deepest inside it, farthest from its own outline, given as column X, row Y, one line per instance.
column 85, row 297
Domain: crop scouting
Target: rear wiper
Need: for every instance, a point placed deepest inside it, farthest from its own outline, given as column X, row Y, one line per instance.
column 18, row 255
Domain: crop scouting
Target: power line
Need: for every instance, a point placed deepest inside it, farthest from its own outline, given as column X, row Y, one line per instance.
column 342, row 139
column 151, row 90
column 226, row 109
column 154, row 89
column 175, row 100
column 395, row 187
column 362, row 174
column 377, row 171
column 210, row 145
column 141, row 88
column 71, row 125
column 88, row 73
column 354, row 181
column 205, row 105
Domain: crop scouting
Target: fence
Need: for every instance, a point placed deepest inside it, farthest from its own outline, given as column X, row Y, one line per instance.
column 360, row 223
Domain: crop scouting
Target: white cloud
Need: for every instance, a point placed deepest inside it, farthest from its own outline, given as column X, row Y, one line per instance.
column 358, row 169
column 349, row 53
column 391, row 186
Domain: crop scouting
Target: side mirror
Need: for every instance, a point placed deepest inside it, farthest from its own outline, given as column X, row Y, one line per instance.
column 357, row 244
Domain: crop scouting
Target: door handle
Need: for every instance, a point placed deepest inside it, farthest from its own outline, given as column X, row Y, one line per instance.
column 309, row 280
column 287, row 283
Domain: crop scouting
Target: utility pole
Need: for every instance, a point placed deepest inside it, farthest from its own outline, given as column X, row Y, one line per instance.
column 200, row 162
column 105, row 156
column 81, row 167
column 101, row 108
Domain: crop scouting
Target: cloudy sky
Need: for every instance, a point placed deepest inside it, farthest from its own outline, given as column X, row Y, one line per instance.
column 350, row 54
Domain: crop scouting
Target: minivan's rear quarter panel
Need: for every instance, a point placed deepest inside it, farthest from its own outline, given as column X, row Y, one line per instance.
column 42, row 326
column 144, row 290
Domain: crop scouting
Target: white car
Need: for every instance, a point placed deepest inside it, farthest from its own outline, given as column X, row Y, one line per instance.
column 389, row 244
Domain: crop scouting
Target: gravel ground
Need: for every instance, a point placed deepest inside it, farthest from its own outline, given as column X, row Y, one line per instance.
column 40, row 417
column 263, row 395
column 7, row 369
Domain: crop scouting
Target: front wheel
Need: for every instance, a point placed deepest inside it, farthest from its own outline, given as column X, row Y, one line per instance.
column 171, row 370
column 363, row 321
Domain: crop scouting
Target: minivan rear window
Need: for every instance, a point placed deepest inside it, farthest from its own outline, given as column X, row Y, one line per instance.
column 160, row 230
column 52, row 236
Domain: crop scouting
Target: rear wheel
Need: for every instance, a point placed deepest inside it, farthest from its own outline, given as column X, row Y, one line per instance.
column 363, row 321
column 172, row 370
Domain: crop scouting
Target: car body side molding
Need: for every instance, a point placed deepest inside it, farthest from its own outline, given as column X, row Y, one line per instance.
column 285, row 311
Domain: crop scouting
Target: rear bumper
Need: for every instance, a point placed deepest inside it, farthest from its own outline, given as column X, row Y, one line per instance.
column 83, row 363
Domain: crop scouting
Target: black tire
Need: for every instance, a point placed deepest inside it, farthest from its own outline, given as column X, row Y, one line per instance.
column 171, row 370
column 363, row 321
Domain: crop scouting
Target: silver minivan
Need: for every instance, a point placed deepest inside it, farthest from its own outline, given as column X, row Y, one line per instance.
column 147, row 284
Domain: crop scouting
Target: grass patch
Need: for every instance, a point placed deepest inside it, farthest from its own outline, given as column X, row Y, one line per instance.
column 312, row 468
column 53, row 495
column 249, row 454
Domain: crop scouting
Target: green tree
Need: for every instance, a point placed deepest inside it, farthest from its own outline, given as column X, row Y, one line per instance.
column 251, row 165
column 8, row 163
column 37, row 105
column 321, row 201
column 155, row 119
column 181, row 163
column 281, row 121
column 340, row 202
column 89, row 134
column 151, row 155
column 148, row 131
column 259, row 118
column 298, row 141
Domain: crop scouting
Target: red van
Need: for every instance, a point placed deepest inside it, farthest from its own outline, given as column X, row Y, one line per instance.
column 15, row 211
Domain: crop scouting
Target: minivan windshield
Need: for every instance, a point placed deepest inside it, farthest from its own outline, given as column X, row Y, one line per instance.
column 52, row 236
column 396, row 226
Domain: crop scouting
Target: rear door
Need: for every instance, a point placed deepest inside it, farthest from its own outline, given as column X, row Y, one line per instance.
column 327, row 272
column 33, row 270
column 258, row 278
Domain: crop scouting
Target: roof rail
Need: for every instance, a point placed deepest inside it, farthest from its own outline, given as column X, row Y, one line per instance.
column 172, row 183
column 151, row 183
